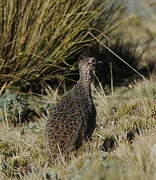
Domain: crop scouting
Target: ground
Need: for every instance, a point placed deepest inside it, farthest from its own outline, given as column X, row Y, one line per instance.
column 126, row 118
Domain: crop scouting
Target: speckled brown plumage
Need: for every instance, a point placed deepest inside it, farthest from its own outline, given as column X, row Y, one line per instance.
column 73, row 119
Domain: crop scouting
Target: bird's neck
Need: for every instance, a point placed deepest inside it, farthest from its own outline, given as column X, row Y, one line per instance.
column 85, row 81
column 85, row 84
column 85, row 78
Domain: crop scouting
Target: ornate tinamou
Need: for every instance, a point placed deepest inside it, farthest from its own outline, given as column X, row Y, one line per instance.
column 73, row 119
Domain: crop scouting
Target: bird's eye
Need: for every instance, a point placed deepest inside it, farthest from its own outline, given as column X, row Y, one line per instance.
column 92, row 61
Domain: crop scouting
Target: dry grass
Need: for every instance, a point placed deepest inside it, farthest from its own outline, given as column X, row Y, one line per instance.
column 23, row 154
column 38, row 38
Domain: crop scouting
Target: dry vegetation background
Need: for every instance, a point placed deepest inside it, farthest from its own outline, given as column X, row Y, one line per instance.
column 40, row 41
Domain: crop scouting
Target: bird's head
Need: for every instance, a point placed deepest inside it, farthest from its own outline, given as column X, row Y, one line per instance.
column 86, row 66
column 86, row 63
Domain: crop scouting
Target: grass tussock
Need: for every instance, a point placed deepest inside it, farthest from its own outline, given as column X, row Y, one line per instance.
column 38, row 38
column 126, row 111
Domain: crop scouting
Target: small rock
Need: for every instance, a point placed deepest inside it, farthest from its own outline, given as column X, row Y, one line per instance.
column 109, row 144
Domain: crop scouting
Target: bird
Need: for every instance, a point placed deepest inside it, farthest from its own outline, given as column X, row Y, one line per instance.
column 72, row 121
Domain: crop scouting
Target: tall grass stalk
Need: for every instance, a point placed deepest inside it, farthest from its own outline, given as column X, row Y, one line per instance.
column 39, row 37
